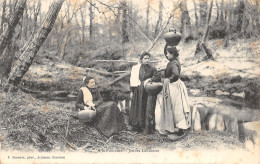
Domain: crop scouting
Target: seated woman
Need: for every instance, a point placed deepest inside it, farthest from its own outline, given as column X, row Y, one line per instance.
column 108, row 119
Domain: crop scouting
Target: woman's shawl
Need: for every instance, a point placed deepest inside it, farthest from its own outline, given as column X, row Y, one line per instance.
column 134, row 77
column 87, row 96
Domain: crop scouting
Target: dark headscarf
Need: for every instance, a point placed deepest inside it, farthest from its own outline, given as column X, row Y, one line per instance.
column 144, row 53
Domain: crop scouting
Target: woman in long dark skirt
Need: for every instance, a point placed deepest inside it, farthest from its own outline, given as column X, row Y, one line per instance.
column 142, row 105
column 108, row 119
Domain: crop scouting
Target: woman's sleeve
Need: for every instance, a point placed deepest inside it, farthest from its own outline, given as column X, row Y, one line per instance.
column 156, row 76
column 175, row 72
column 100, row 99
column 79, row 102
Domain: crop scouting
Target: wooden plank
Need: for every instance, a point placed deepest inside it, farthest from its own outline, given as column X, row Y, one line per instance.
column 131, row 61
column 99, row 72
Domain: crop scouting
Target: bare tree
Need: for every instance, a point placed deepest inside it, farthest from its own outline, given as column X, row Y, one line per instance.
column 240, row 12
column 202, row 45
column 159, row 21
column 3, row 16
column 68, row 30
column 8, row 33
column 185, row 20
column 256, row 9
column 37, row 10
column 91, row 18
column 125, row 37
column 83, row 21
column 228, row 29
column 221, row 11
column 147, row 18
column 203, row 12
column 24, row 62
column 196, row 14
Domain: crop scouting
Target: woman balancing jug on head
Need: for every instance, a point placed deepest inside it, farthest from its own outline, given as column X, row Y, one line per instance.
column 174, row 109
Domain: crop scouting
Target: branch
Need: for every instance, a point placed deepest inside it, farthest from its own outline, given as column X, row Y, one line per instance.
column 155, row 40
column 110, row 8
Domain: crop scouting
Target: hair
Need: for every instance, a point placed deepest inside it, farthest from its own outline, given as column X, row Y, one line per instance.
column 144, row 53
column 171, row 49
column 86, row 79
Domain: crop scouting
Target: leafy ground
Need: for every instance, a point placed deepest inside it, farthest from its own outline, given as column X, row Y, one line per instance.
column 29, row 124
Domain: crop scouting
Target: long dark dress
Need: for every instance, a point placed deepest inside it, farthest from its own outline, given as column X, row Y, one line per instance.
column 142, row 111
column 108, row 119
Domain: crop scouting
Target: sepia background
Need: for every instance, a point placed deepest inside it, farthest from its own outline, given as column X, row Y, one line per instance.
column 47, row 47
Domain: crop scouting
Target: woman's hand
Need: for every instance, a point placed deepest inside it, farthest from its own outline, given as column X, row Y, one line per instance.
column 93, row 107
column 131, row 95
column 166, row 80
column 186, row 114
column 86, row 108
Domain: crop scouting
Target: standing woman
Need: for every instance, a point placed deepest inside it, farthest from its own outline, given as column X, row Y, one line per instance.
column 175, row 115
column 142, row 111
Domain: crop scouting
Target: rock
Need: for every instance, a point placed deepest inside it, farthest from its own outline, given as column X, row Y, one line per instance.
column 216, row 122
column 220, row 93
column 230, row 124
column 241, row 94
column 195, row 117
column 249, row 131
column 236, row 79
column 194, row 92
column 203, row 113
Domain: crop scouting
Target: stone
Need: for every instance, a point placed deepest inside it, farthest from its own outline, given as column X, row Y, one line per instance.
column 216, row 122
column 195, row 117
column 241, row 94
column 249, row 132
column 220, row 93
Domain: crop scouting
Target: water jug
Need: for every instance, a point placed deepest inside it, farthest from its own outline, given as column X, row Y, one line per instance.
column 172, row 37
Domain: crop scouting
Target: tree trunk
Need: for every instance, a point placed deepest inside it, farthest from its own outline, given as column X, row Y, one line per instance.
column 36, row 13
column 240, row 11
column 7, row 59
column 217, row 17
column 3, row 16
column 8, row 33
column 147, row 18
column 221, row 11
column 159, row 21
column 185, row 20
column 228, row 31
column 125, row 37
column 22, row 65
column 91, row 18
column 83, row 23
column 203, row 12
column 206, row 31
column 196, row 14
column 257, row 17
column 64, row 43
column 202, row 46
